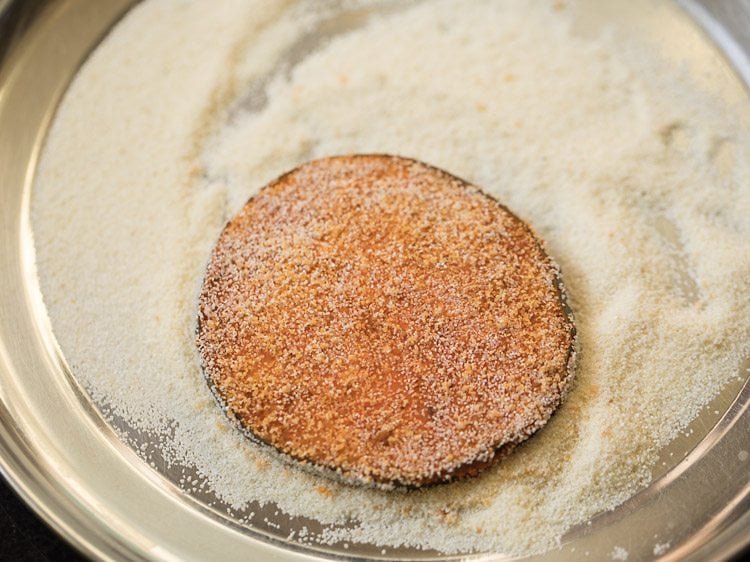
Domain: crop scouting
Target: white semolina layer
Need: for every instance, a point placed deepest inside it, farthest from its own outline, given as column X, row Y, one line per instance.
column 639, row 183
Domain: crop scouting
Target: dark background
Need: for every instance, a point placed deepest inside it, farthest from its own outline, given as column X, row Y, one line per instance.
column 23, row 536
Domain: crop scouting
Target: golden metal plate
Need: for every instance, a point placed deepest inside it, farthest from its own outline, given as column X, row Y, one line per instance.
column 67, row 462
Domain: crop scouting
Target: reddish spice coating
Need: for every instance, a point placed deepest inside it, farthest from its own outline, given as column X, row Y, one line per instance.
column 378, row 317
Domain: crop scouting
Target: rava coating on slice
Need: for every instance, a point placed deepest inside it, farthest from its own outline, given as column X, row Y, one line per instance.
column 380, row 319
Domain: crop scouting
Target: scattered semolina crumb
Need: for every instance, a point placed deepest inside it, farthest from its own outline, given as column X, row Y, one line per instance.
column 619, row 553
column 635, row 176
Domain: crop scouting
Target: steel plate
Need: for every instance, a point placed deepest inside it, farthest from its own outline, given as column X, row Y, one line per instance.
column 66, row 461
